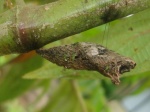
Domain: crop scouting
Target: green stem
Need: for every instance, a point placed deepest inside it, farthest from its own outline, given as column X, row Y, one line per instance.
column 79, row 95
column 27, row 28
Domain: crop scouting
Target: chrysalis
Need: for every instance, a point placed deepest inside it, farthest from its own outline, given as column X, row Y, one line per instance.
column 89, row 56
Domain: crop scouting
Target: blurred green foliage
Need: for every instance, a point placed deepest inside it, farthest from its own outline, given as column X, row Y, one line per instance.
column 92, row 92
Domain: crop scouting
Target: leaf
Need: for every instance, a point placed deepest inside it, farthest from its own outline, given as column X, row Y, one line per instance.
column 63, row 100
column 11, row 82
column 53, row 71
column 133, row 43
column 94, row 95
column 66, row 98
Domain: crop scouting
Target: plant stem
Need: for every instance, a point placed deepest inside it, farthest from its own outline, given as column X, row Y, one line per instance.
column 26, row 28
column 79, row 95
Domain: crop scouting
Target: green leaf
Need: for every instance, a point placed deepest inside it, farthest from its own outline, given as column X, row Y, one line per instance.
column 11, row 82
column 54, row 71
column 130, row 37
column 63, row 100
column 70, row 98
column 94, row 95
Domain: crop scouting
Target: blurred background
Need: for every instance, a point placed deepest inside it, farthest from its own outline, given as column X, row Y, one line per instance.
column 29, row 83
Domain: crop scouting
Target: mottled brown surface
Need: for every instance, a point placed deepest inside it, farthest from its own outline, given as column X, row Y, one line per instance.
column 89, row 56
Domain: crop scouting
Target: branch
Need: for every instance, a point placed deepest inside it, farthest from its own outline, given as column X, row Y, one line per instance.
column 26, row 28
